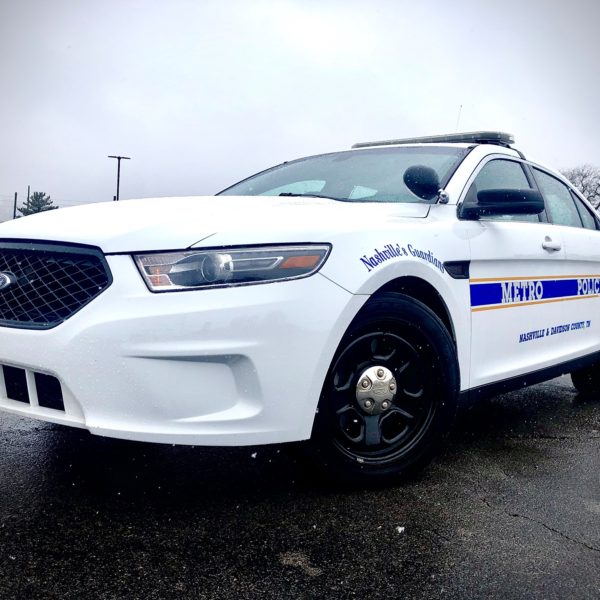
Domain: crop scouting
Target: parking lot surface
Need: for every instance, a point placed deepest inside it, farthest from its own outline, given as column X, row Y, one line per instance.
column 510, row 509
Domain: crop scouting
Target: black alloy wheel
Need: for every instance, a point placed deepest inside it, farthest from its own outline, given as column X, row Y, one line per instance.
column 390, row 394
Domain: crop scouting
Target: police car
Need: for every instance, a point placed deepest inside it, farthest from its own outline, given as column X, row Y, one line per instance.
column 351, row 299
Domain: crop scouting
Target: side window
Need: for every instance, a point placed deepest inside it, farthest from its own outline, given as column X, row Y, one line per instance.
column 559, row 202
column 589, row 222
column 500, row 174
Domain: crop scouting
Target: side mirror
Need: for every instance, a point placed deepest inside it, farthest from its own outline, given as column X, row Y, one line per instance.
column 504, row 202
column 422, row 181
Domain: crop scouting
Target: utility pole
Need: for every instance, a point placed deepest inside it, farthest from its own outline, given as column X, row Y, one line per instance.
column 15, row 207
column 119, row 159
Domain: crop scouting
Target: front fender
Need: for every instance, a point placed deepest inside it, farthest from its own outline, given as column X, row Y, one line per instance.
column 418, row 252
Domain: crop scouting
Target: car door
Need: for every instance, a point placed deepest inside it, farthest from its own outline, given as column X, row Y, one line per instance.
column 516, row 261
column 578, row 227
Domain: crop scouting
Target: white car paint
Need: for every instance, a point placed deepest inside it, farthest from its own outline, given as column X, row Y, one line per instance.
column 245, row 365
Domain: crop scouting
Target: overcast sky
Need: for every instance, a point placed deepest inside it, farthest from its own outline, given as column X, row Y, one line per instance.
column 202, row 93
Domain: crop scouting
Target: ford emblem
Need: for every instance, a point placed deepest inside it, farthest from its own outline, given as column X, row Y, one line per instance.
column 6, row 280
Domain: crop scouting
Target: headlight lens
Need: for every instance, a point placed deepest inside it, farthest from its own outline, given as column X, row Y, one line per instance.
column 194, row 269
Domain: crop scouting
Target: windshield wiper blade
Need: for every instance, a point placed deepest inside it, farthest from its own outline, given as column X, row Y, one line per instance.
column 298, row 195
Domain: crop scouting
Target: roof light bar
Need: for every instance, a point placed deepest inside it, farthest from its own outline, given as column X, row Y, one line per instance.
column 476, row 137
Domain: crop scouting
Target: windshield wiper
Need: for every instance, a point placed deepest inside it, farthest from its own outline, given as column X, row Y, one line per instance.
column 298, row 195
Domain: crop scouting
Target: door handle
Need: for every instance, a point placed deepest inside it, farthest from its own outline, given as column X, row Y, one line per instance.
column 551, row 246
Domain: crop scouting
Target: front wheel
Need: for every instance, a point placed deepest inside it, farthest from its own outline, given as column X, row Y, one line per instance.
column 390, row 394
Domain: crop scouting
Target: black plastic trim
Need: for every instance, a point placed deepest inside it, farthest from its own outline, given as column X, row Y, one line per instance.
column 15, row 381
column 49, row 392
column 458, row 269
column 49, row 246
column 515, row 383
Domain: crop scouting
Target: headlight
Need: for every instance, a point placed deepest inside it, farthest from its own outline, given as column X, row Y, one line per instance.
column 193, row 269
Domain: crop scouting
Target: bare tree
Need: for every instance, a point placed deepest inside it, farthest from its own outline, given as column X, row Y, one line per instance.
column 586, row 178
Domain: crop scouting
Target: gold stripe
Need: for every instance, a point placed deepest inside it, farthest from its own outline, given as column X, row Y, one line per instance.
column 515, row 304
column 539, row 278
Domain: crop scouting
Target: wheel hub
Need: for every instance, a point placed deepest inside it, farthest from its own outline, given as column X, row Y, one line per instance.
column 375, row 390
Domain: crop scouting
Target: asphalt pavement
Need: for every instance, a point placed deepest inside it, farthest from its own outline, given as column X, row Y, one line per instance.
column 511, row 509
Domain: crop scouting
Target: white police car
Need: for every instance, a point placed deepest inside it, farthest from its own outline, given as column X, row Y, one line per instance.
column 351, row 298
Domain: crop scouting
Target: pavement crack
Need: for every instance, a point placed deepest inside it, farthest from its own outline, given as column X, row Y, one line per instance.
column 488, row 504
column 553, row 530
column 517, row 515
column 507, row 512
column 436, row 533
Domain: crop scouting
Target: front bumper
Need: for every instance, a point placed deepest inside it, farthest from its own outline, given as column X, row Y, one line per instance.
column 232, row 366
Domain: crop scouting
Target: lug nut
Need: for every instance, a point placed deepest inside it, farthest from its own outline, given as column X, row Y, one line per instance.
column 392, row 387
column 380, row 373
column 365, row 383
column 368, row 403
column 385, row 405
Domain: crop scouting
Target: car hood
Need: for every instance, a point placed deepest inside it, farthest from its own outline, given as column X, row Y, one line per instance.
column 175, row 223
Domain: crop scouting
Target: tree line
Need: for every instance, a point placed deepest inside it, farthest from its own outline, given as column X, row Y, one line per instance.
column 586, row 178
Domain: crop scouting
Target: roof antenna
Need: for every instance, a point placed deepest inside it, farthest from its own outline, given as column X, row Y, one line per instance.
column 458, row 118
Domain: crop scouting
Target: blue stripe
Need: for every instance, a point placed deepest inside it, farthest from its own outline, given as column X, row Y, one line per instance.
column 515, row 292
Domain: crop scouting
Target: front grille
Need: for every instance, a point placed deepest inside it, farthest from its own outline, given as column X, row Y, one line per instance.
column 45, row 283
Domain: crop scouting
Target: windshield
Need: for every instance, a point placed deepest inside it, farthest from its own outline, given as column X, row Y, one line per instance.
column 369, row 175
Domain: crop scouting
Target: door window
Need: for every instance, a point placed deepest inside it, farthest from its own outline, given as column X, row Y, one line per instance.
column 559, row 201
column 500, row 174
column 589, row 222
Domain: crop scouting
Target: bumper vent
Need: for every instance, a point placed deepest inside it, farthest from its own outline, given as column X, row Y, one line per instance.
column 16, row 384
column 41, row 389
column 42, row 284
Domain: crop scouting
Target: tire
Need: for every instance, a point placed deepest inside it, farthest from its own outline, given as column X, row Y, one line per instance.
column 587, row 381
column 398, row 337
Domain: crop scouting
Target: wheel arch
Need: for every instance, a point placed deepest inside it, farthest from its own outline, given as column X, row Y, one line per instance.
column 422, row 291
